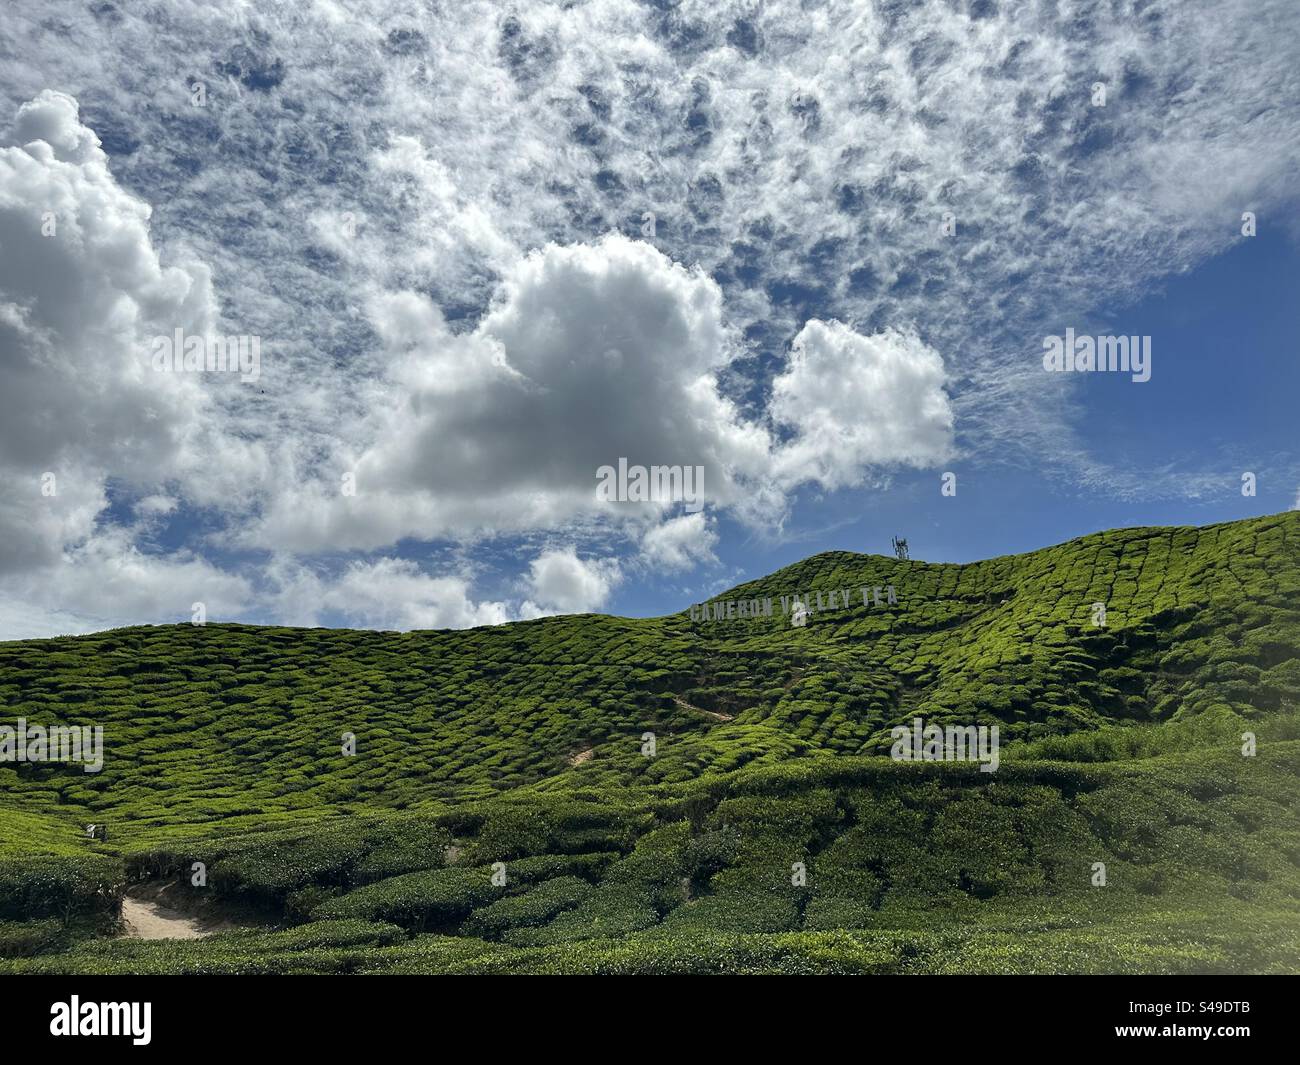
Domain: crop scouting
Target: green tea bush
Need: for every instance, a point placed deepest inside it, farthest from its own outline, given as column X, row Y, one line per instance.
column 403, row 847
column 57, row 886
column 535, row 906
column 22, row 939
column 430, row 899
column 605, row 913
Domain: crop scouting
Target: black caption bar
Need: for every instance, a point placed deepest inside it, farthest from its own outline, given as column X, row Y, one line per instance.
column 167, row 1014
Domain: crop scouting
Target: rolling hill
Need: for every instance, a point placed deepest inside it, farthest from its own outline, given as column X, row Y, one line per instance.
column 591, row 793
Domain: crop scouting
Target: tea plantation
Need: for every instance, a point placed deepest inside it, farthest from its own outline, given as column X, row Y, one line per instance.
column 505, row 810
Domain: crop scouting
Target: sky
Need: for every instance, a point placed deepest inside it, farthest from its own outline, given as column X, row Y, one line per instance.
column 482, row 250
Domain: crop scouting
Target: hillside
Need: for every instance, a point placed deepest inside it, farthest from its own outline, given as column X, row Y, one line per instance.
column 523, row 744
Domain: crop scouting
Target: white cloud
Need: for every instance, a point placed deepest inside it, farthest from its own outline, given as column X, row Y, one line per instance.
column 155, row 506
column 856, row 402
column 680, row 543
column 107, row 582
column 562, row 583
column 591, row 353
column 34, row 527
column 383, row 593
column 81, row 291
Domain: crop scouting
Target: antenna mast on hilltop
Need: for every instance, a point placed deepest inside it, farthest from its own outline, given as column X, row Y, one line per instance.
column 900, row 549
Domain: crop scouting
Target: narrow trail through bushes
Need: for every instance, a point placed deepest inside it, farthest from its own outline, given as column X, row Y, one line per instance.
column 707, row 713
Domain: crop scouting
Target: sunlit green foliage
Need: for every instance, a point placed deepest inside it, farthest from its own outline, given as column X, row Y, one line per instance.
column 770, row 832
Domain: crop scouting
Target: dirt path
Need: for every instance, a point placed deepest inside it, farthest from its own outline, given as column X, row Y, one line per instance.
column 166, row 910
column 707, row 713
column 149, row 920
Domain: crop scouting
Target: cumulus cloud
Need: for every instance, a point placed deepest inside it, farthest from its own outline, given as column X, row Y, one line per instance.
column 593, row 353
column 382, row 593
column 855, row 402
column 107, row 582
column 680, row 543
column 560, row 582
column 81, row 291
column 589, row 354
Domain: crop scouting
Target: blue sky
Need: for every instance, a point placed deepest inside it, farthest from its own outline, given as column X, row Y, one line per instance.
column 486, row 252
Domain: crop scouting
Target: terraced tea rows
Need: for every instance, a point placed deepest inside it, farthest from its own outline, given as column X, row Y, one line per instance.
column 769, row 817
